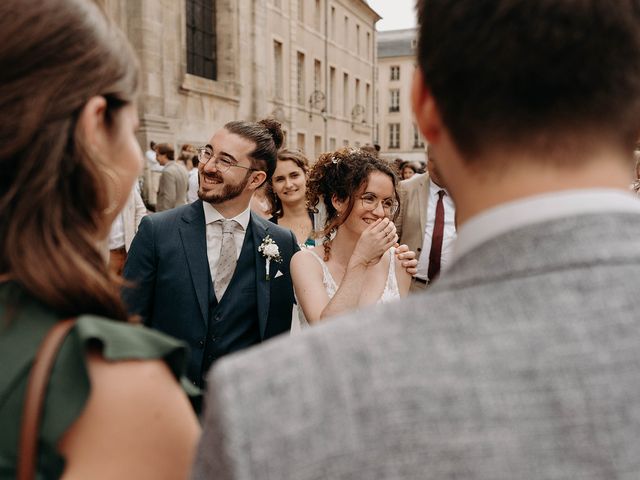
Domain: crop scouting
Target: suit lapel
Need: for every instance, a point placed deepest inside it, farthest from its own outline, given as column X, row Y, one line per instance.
column 194, row 241
column 260, row 229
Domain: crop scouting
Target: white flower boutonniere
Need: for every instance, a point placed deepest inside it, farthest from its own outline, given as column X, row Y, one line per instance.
column 269, row 249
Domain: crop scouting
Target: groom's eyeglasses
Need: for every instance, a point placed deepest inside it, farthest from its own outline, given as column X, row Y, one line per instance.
column 221, row 163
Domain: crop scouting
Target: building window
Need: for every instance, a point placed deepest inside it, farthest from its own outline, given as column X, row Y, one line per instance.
column 300, row 141
column 417, row 138
column 345, row 94
column 301, row 11
column 333, row 23
column 394, row 135
column 332, row 144
column 369, row 45
column 277, row 69
column 332, row 90
column 300, row 73
column 367, row 100
column 317, row 75
column 346, row 32
column 358, row 39
column 317, row 146
column 357, row 99
column 201, row 38
column 394, row 100
column 395, row 72
column 345, row 143
column 318, row 15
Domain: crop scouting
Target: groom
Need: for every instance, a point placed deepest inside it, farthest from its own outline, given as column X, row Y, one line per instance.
column 197, row 271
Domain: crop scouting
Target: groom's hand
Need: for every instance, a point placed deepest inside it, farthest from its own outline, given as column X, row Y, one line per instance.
column 407, row 259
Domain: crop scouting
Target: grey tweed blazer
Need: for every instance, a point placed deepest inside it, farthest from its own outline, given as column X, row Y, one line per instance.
column 523, row 362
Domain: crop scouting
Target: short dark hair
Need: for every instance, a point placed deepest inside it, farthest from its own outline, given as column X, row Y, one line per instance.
column 165, row 149
column 532, row 72
column 267, row 135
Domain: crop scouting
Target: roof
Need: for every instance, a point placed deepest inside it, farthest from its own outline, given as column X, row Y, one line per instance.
column 397, row 43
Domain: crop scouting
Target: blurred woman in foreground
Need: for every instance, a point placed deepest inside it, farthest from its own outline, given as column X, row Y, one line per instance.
column 69, row 157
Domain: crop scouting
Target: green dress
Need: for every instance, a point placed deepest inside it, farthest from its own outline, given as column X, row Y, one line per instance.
column 23, row 324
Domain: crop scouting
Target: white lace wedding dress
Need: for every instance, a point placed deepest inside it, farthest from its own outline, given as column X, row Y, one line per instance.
column 390, row 292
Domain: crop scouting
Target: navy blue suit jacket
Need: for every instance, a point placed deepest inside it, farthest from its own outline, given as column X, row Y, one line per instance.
column 168, row 267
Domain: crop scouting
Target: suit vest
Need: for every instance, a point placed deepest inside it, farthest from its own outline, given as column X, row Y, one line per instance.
column 233, row 320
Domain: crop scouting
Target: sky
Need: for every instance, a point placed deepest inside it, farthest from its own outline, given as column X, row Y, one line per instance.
column 396, row 14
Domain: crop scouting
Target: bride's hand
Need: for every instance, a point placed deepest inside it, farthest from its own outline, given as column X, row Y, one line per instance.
column 377, row 238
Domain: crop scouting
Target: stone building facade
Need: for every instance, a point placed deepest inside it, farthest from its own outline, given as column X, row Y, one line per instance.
column 309, row 63
column 397, row 132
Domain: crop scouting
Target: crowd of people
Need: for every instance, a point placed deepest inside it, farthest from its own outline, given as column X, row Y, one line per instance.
column 473, row 320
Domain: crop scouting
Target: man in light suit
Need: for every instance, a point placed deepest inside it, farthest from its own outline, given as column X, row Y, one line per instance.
column 522, row 362
column 426, row 222
column 198, row 270
column 174, row 181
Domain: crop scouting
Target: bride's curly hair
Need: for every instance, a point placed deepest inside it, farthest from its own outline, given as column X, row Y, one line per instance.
column 341, row 175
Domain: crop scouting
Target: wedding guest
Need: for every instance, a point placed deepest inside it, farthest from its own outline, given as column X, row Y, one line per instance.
column 192, row 191
column 124, row 228
column 113, row 407
column 427, row 222
column 356, row 265
column 408, row 170
column 174, row 181
column 259, row 203
column 522, row 361
column 286, row 193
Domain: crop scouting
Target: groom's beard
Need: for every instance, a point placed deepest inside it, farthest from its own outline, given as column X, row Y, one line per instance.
column 229, row 191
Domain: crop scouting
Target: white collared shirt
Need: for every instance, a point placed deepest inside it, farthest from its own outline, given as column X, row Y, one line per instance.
column 449, row 235
column 541, row 208
column 214, row 234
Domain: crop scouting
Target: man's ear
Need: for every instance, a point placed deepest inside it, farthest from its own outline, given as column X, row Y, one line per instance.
column 92, row 124
column 425, row 109
column 258, row 179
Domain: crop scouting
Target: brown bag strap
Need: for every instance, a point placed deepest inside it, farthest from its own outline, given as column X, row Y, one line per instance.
column 35, row 395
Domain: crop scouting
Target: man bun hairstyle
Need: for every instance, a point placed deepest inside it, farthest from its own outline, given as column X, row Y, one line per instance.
column 268, row 136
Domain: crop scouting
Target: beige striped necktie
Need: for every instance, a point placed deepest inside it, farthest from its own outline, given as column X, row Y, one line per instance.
column 227, row 260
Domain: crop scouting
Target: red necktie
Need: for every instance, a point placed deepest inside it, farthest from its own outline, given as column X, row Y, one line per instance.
column 436, row 240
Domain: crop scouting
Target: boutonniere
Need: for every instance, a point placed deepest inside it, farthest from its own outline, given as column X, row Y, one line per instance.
column 269, row 249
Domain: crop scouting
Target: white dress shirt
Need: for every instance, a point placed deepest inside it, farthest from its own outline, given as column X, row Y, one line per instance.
column 192, row 192
column 214, row 234
column 449, row 231
column 540, row 208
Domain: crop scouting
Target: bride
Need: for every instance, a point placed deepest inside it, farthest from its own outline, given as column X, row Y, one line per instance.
column 356, row 266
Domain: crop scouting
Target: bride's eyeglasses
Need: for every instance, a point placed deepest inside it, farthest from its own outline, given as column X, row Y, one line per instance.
column 370, row 202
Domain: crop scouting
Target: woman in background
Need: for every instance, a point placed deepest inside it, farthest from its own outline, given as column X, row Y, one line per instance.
column 69, row 157
column 287, row 192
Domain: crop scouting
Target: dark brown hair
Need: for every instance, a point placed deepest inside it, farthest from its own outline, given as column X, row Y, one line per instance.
column 285, row 155
column 56, row 55
column 267, row 135
column 165, row 149
column 341, row 174
column 536, row 74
